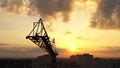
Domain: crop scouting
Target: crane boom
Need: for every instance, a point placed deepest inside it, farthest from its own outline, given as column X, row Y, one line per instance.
column 39, row 36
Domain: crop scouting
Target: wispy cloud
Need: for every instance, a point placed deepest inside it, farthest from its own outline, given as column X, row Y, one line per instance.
column 62, row 50
column 3, row 44
column 14, row 51
column 68, row 32
column 80, row 38
column 110, row 50
column 20, row 51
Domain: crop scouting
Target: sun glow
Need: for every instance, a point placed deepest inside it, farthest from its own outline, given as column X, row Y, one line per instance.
column 72, row 48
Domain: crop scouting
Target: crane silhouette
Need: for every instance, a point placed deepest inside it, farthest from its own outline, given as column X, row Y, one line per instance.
column 39, row 36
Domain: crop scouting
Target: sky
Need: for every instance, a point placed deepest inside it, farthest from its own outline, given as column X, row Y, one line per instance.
column 78, row 26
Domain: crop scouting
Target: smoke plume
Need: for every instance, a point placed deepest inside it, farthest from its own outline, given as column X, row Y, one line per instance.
column 107, row 15
column 49, row 9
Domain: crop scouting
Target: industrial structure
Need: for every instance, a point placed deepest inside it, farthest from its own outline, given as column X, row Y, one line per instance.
column 39, row 36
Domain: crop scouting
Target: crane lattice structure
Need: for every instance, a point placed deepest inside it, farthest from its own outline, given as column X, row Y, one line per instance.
column 39, row 36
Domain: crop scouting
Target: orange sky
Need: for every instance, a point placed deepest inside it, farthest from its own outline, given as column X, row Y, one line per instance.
column 77, row 33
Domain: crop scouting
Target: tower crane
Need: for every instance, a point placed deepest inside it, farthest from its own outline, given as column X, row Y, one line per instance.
column 39, row 36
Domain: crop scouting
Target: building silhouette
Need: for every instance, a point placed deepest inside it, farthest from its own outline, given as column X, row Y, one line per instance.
column 75, row 61
column 84, row 61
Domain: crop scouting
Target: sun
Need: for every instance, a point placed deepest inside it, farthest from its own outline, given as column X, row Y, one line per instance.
column 72, row 48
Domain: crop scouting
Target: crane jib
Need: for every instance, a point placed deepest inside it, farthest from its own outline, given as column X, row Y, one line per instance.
column 39, row 36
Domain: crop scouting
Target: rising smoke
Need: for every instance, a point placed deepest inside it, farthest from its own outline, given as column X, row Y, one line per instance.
column 44, row 8
column 107, row 15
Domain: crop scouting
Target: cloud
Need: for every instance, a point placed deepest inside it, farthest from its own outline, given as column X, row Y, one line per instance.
column 3, row 44
column 20, row 51
column 62, row 50
column 15, row 6
column 48, row 9
column 80, row 38
column 107, row 15
column 68, row 32
column 110, row 50
column 13, row 51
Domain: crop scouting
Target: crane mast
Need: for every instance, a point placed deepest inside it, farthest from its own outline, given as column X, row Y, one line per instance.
column 39, row 36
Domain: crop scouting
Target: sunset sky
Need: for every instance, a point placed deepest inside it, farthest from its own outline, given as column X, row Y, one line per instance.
column 78, row 26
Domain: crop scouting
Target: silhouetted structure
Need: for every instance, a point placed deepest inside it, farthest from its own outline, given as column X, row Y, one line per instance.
column 15, row 63
column 42, row 62
column 88, row 61
column 45, row 62
column 75, row 61
column 84, row 61
column 39, row 36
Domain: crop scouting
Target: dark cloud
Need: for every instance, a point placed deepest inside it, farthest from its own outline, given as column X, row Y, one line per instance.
column 16, row 6
column 107, row 15
column 51, row 8
column 48, row 9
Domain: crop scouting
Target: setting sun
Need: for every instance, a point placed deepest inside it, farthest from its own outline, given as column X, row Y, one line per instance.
column 72, row 48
